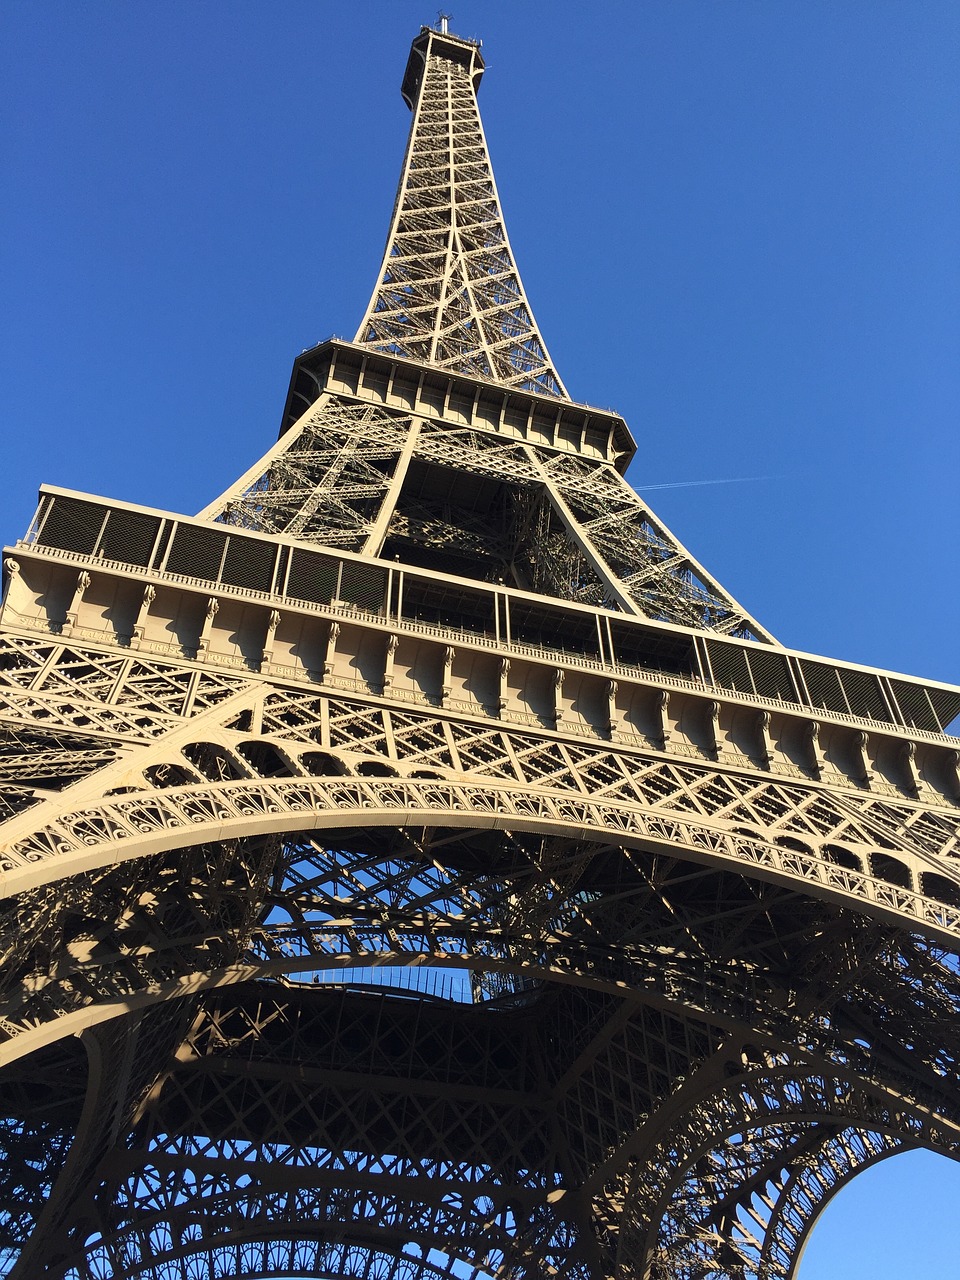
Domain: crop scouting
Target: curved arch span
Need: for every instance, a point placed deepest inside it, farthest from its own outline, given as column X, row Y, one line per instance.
column 838, row 1102
column 803, row 1235
column 287, row 1255
column 133, row 826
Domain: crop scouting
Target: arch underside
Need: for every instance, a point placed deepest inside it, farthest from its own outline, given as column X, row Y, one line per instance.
column 310, row 969
column 386, row 993
column 424, row 1033
column 315, row 759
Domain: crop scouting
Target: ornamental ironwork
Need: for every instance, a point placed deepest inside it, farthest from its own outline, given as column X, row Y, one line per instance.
column 418, row 866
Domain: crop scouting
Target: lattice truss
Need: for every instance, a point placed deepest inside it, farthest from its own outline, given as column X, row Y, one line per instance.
column 299, row 981
column 328, row 482
column 449, row 292
column 439, row 999
column 368, row 479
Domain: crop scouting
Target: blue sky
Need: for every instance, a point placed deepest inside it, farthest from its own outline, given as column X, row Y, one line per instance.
column 737, row 224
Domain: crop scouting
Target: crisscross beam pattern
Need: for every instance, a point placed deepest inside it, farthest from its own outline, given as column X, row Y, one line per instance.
column 449, row 293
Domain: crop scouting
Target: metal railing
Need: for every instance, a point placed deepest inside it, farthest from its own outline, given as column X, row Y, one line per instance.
column 447, row 633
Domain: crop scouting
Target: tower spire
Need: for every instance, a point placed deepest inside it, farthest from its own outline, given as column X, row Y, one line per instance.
column 449, row 292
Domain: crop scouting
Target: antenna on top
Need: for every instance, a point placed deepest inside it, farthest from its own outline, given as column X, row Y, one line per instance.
column 444, row 20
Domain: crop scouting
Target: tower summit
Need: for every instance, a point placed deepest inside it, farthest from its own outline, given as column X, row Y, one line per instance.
column 418, row 866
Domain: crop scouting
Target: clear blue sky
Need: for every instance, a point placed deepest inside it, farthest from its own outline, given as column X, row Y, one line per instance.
column 738, row 224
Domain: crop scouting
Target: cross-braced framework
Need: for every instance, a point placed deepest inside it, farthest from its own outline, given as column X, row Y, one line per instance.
column 372, row 480
column 417, row 867
column 449, row 291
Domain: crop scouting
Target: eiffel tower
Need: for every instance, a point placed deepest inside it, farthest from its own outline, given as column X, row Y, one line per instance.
column 417, row 865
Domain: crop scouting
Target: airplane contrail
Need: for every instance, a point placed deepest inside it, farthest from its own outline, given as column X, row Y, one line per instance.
column 691, row 484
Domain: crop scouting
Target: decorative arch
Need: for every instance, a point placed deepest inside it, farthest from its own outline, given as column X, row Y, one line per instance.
column 122, row 827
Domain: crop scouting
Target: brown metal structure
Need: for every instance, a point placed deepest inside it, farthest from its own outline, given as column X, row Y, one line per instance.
column 418, row 866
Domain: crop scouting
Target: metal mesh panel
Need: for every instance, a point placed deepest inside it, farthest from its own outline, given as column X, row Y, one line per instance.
column 915, row 706
column 865, row 695
column 946, row 706
column 730, row 670
column 249, row 563
column 72, row 525
column 363, row 585
column 197, row 552
column 771, row 674
column 824, row 686
column 129, row 537
column 312, row 577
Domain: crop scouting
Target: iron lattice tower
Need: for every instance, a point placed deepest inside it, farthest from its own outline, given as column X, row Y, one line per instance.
column 418, row 866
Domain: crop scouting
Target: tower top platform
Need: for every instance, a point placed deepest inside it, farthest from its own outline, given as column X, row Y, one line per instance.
column 440, row 44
